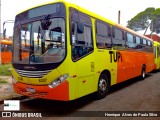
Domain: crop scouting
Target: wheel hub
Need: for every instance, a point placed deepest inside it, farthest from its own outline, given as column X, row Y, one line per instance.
column 103, row 85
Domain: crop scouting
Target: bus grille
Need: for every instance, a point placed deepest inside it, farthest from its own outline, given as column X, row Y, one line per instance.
column 32, row 74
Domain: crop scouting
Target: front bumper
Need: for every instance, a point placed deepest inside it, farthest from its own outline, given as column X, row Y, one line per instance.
column 60, row 92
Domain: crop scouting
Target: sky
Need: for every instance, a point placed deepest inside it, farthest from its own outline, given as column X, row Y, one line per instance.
column 106, row 8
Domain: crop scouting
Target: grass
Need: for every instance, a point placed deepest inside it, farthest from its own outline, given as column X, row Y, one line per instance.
column 2, row 81
column 5, row 70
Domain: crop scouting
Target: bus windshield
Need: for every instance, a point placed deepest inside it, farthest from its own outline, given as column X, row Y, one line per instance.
column 41, row 41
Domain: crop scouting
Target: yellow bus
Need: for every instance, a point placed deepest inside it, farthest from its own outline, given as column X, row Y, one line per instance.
column 157, row 55
column 74, row 52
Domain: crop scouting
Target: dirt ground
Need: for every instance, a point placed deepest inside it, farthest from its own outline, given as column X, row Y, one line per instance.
column 6, row 89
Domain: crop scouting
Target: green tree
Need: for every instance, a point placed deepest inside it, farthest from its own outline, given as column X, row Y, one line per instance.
column 147, row 19
column 156, row 21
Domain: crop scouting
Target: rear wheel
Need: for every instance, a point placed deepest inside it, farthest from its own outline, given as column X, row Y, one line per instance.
column 103, row 86
column 143, row 73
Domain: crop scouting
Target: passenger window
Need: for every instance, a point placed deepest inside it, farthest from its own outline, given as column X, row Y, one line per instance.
column 82, row 43
column 138, row 40
column 103, row 35
column 149, row 43
column 144, row 41
column 130, row 41
column 138, row 43
column 85, row 37
column 118, row 34
column 129, row 37
column 118, row 38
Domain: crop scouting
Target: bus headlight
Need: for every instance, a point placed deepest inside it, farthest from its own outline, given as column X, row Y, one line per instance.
column 14, row 80
column 58, row 81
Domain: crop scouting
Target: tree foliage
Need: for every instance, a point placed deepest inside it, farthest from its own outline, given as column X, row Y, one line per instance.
column 149, row 18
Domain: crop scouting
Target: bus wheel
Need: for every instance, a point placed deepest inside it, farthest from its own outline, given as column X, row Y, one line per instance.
column 143, row 73
column 103, row 87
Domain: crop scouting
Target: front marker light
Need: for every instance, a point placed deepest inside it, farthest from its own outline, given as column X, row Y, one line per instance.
column 14, row 80
column 58, row 81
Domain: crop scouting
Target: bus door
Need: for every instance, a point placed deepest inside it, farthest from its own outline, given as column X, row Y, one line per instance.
column 82, row 55
column 158, row 56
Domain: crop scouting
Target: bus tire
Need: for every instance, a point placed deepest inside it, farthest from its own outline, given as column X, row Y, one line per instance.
column 143, row 73
column 103, row 86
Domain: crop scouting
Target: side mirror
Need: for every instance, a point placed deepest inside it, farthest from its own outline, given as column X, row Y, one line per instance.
column 80, row 28
column 4, row 33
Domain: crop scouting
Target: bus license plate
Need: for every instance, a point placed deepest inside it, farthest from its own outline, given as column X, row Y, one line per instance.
column 32, row 90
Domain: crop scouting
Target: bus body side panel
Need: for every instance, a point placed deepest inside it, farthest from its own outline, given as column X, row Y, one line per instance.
column 131, row 65
column 149, row 62
column 122, row 66
column 105, row 61
column 85, row 68
column 128, row 67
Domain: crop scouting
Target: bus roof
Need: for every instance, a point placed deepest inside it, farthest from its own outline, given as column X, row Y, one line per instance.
column 85, row 11
column 68, row 4
column 132, row 31
column 42, row 4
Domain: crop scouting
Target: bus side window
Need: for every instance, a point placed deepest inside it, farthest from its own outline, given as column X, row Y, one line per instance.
column 118, row 38
column 81, row 42
column 130, row 41
column 144, row 42
column 150, row 47
column 138, row 45
column 83, row 45
column 103, row 35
